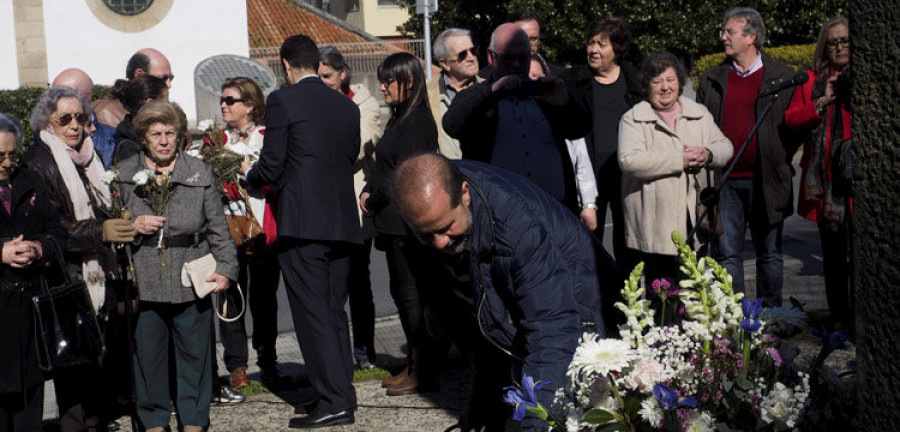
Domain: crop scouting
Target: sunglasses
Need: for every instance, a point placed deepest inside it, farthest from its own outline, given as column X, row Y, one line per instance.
column 13, row 157
column 464, row 54
column 81, row 118
column 167, row 77
column 229, row 100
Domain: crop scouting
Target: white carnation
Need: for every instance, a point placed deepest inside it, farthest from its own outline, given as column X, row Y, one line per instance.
column 109, row 177
column 142, row 177
column 205, row 125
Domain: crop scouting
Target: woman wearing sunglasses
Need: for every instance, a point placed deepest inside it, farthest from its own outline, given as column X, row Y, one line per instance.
column 63, row 157
column 243, row 108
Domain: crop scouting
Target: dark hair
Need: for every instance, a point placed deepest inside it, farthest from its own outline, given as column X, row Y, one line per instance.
column 330, row 56
column 658, row 63
column 404, row 68
column 300, row 52
column 616, row 29
column 523, row 15
column 137, row 61
column 137, row 90
column 251, row 95
column 820, row 57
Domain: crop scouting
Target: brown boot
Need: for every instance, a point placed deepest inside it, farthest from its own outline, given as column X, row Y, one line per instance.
column 239, row 378
column 405, row 387
column 393, row 380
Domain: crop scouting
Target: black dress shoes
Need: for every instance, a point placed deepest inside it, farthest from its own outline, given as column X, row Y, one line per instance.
column 320, row 419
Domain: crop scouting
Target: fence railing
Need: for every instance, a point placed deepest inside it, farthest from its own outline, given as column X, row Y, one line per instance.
column 362, row 57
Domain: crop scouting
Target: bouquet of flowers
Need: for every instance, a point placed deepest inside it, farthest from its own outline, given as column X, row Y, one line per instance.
column 156, row 190
column 715, row 367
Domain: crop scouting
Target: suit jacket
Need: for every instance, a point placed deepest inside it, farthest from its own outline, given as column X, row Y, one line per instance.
column 776, row 143
column 311, row 144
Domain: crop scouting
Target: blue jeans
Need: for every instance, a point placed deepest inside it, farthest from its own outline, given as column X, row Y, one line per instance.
column 738, row 211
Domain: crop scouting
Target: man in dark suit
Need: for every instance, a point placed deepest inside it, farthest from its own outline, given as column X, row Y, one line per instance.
column 312, row 140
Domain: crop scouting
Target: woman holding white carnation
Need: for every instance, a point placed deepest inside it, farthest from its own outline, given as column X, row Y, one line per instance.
column 185, row 225
column 666, row 144
column 63, row 156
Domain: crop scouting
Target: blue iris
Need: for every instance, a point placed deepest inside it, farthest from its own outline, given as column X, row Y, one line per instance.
column 751, row 314
column 835, row 340
column 523, row 397
column 669, row 400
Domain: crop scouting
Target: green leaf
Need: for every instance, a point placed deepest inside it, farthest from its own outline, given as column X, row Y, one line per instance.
column 598, row 416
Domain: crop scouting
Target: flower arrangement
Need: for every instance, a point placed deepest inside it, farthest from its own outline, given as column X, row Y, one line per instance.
column 155, row 189
column 714, row 367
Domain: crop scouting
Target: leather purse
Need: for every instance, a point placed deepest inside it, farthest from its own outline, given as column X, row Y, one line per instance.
column 66, row 328
column 197, row 271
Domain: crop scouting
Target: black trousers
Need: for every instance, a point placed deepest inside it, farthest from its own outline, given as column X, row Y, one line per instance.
column 22, row 412
column 362, row 304
column 80, row 398
column 402, row 253
column 316, row 276
column 258, row 280
column 609, row 194
column 837, row 265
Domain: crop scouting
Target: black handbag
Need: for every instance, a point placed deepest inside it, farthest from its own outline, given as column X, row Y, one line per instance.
column 66, row 327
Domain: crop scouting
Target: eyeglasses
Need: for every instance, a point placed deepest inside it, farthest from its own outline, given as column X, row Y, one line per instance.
column 229, row 100
column 464, row 54
column 169, row 77
column 81, row 118
column 730, row 32
column 13, row 157
column 835, row 43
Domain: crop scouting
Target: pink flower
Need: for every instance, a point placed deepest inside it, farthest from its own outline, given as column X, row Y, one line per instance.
column 646, row 373
column 776, row 356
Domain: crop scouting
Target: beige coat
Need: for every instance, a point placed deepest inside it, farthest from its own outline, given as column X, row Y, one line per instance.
column 659, row 197
column 369, row 134
column 439, row 103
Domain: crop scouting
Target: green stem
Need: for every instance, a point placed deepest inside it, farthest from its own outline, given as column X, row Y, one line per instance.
column 662, row 318
column 746, row 357
column 619, row 400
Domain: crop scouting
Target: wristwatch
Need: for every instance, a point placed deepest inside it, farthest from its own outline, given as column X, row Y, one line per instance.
column 589, row 205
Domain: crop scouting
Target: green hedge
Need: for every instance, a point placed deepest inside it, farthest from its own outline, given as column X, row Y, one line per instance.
column 798, row 57
column 19, row 103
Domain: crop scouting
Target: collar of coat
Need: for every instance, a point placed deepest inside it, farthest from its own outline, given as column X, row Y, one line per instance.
column 188, row 171
column 643, row 112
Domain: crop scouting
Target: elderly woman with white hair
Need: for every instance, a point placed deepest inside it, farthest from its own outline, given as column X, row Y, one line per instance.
column 63, row 157
column 30, row 235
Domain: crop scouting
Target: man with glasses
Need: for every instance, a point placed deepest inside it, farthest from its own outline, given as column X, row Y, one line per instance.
column 146, row 61
column 458, row 58
column 758, row 193
column 519, row 124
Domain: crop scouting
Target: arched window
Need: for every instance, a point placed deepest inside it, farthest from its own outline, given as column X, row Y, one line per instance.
column 128, row 7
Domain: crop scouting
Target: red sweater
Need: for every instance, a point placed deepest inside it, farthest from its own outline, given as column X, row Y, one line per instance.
column 739, row 116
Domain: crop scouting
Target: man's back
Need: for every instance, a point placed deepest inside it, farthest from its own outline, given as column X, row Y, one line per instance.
column 311, row 143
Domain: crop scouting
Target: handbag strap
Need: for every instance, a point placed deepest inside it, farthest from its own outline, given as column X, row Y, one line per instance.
column 222, row 315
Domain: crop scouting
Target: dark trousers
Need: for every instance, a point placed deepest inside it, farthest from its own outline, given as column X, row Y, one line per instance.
column 258, row 280
column 837, row 263
column 80, row 398
column 401, row 254
column 316, row 276
column 362, row 304
column 609, row 194
column 22, row 412
column 190, row 327
column 740, row 207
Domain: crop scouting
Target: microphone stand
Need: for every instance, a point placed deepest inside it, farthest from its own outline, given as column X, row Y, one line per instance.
column 709, row 196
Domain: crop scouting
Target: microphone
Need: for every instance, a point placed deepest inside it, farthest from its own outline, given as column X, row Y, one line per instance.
column 799, row 79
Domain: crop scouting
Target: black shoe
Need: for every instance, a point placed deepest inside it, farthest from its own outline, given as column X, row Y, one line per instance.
column 113, row 426
column 272, row 378
column 319, row 419
column 365, row 364
column 225, row 394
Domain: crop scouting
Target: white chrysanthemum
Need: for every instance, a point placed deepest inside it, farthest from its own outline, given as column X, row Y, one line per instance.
column 142, row 177
column 194, row 153
column 205, row 125
column 700, row 422
column 650, row 412
column 600, row 356
column 109, row 177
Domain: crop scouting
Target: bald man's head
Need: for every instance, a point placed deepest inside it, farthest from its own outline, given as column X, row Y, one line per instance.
column 152, row 62
column 77, row 80
column 432, row 196
column 510, row 51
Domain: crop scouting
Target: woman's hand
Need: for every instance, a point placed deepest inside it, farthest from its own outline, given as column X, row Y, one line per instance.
column 694, row 158
column 20, row 253
column 148, row 224
column 363, row 197
column 222, row 282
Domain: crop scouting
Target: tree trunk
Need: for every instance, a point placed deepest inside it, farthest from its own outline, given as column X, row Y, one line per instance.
column 876, row 238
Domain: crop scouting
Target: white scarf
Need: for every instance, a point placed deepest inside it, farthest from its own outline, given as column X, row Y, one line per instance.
column 92, row 273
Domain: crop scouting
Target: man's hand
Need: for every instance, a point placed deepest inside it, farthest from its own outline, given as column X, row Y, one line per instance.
column 363, row 197
column 556, row 94
column 20, row 253
column 222, row 282
column 589, row 217
column 507, row 83
column 245, row 166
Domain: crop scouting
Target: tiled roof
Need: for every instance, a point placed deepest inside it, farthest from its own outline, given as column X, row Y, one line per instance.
column 270, row 22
